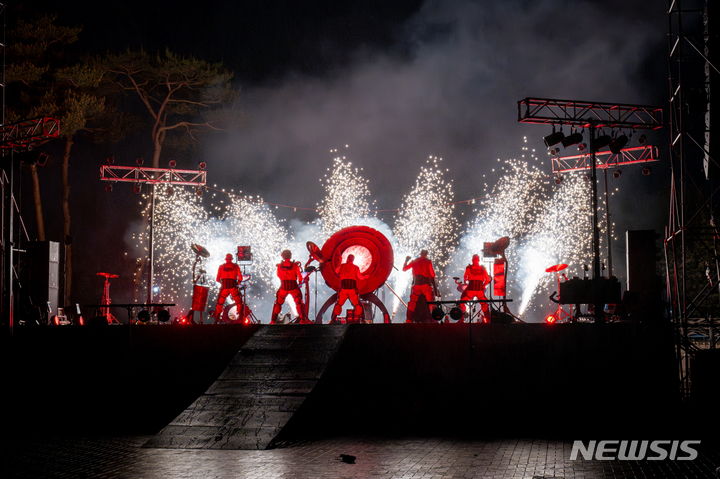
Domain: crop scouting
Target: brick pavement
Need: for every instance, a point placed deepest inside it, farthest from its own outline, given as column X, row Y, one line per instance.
column 124, row 457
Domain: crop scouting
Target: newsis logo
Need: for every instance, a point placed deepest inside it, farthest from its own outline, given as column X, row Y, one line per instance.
column 635, row 450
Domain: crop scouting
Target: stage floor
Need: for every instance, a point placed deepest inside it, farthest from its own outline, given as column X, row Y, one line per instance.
column 123, row 457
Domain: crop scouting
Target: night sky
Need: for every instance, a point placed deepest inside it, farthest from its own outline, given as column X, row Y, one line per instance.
column 397, row 81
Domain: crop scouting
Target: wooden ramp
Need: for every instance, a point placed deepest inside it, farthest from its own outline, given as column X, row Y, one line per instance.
column 257, row 394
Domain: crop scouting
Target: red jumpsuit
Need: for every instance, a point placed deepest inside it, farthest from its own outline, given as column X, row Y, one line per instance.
column 229, row 276
column 423, row 280
column 349, row 276
column 290, row 274
column 477, row 278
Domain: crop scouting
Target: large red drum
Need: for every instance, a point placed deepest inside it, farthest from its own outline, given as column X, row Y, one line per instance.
column 373, row 255
column 199, row 297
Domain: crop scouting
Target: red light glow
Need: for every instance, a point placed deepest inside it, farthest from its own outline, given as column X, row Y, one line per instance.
column 550, row 319
column 363, row 256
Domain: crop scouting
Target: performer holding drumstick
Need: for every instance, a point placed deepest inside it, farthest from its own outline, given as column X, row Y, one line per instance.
column 423, row 281
column 477, row 279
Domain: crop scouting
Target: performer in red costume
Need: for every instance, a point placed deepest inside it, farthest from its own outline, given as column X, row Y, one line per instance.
column 477, row 279
column 349, row 276
column 290, row 275
column 229, row 276
column 423, row 281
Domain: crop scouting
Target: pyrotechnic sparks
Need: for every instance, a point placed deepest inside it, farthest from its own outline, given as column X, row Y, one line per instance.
column 562, row 234
column 548, row 223
column 426, row 220
column 347, row 197
column 182, row 219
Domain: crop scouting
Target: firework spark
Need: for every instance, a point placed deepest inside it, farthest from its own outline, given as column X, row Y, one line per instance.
column 347, row 197
column 426, row 220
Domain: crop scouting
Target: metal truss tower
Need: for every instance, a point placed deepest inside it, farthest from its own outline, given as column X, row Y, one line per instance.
column 692, row 233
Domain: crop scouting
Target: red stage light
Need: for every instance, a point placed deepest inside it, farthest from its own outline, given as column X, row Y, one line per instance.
column 550, row 319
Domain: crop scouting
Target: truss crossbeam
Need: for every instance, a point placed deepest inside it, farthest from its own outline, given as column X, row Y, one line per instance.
column 167, row 176
column 605, row 159
column 586, row 114
column 28, row 133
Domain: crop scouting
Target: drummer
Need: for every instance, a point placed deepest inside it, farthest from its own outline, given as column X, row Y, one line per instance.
column 477, row 278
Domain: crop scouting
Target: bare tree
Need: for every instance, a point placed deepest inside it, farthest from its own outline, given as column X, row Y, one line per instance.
column 180, row 94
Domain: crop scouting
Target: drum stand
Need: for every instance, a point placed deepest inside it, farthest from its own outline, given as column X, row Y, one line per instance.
column 560, row 314
column 105, row 301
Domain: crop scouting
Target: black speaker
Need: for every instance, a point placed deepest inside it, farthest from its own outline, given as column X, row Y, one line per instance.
column 41, row 274
column 641, row 257
column 643, row 300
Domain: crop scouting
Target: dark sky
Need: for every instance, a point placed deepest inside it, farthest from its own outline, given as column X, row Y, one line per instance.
column 396, row 80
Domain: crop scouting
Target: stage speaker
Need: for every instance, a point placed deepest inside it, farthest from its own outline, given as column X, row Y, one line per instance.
column 643, row 300
column 41, row 274
column 640, row 260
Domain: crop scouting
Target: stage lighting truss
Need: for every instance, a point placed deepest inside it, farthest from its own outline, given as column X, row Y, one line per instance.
column 585, row 113
column 27, row 134
column 167, row 176
column 605, row 159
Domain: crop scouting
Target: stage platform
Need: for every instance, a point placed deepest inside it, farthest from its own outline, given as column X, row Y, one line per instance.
column 259, row 386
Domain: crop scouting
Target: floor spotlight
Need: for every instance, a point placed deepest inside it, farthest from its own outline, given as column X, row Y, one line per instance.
column 646, row 171
column 618, row 144
column 554, row 151
column 582, row 147
column 550, row 319
column 456, row 313
column 143, row 316
column 202, row 165
column 172, row 163
column 573, row 139
column 437, row 313
column 553, row 138
column 163, row 316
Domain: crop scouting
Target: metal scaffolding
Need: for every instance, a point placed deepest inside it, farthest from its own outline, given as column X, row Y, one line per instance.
column 592, row 116
column 691, row 237
column 153, row 176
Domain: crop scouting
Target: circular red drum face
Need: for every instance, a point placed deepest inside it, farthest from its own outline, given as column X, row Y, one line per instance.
column 373, row 255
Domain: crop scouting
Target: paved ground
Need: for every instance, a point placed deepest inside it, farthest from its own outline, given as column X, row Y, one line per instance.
column 382, row 458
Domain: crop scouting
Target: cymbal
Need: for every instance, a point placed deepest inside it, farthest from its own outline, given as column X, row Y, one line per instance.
column 556, row 268
column 108, row 275
column 315, row 251
column 199, row 250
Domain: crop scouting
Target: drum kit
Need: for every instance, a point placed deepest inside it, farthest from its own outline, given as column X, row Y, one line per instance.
column 603, row 293
column 201, row 289
column 560, row 315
